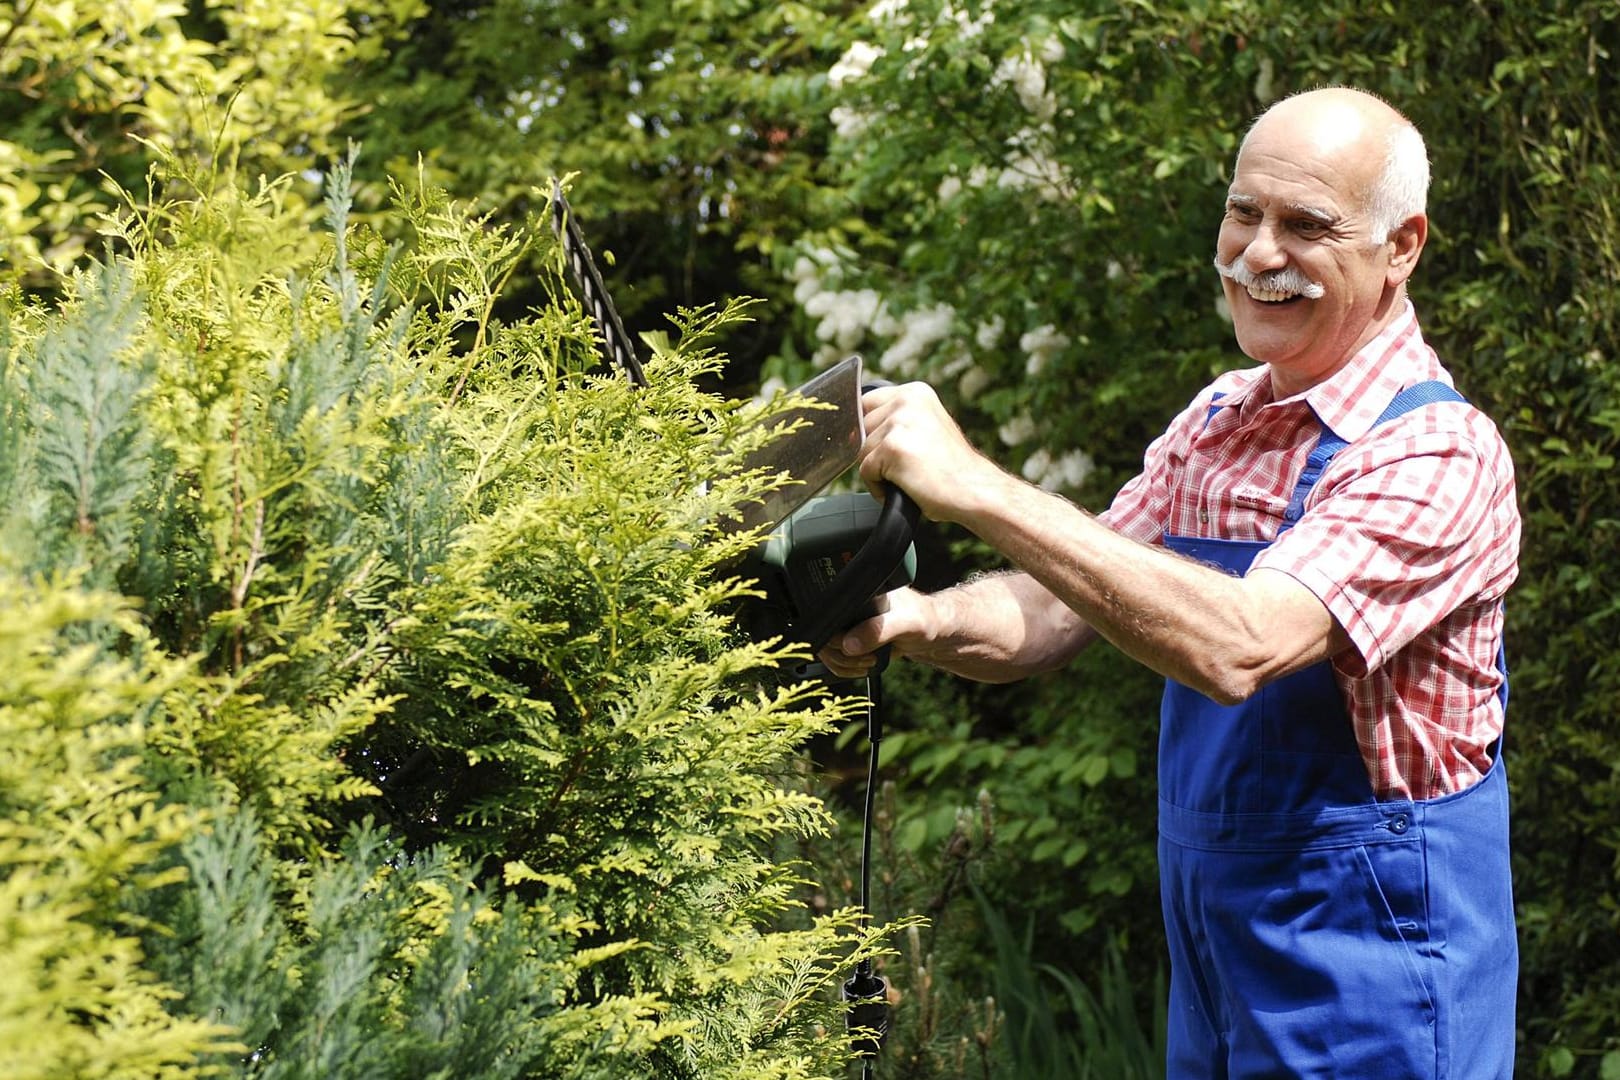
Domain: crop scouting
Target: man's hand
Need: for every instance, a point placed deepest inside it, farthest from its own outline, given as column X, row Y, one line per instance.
column 901, row 621
column 912, row 442
column 995, row 628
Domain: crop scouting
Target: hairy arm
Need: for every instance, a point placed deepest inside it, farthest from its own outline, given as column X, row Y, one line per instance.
column 1221, row 635
column 994, row 628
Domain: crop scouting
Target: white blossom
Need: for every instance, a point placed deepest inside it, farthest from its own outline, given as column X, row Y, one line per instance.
column 955, row 362
column 1035, row 169
column 1265, row 88
column 1027, row 76
column 968, row 26
column 1040, row 345
column 849, row 123
column 806, row 278
column 856, row 62
column 1074, row 468
column 770, row 388
column 988, row 334
column 973, row 383
column 949, row 188
column 1057, row 474
column 845, row 316
column 1036, row 465
column 919, row 330
column 1017, row 430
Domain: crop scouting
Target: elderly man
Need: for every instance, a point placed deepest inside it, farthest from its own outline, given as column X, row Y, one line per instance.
column 1314, row 556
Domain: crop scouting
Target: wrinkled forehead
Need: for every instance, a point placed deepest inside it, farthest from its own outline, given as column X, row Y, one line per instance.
column 1323, row 157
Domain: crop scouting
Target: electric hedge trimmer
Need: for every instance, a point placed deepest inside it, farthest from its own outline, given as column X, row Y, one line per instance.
column 825, row 563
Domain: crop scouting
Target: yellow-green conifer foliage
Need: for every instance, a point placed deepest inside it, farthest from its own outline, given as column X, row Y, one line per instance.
column 79, row 829
column 373, row 703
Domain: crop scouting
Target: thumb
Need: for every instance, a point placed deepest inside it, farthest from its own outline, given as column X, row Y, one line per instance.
column 863, row 638
column 868, row 635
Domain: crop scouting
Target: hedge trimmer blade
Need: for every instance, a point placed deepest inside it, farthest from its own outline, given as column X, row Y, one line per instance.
column 824, row 441
column 616, row 346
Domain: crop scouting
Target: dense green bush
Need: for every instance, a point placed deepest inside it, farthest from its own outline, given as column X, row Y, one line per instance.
column 92, row 87
column 373, row 705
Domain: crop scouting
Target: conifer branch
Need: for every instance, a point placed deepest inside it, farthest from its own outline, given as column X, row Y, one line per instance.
column 240, row 590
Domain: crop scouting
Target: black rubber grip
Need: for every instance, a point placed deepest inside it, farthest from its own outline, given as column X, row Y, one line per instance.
column 863, row 576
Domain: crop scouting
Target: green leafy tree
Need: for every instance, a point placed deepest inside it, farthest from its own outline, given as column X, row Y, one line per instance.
column 91, row 88
column 694, row 128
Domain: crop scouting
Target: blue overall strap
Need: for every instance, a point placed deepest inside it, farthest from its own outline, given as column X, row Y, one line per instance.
column 1413, row 397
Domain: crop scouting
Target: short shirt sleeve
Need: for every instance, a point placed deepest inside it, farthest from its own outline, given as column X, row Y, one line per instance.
column 1407, row 525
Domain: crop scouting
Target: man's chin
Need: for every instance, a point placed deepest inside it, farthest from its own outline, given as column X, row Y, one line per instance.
column 1268, row 348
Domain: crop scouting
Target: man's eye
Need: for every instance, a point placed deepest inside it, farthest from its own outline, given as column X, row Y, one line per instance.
column 1239, row 212
column 1308, row 227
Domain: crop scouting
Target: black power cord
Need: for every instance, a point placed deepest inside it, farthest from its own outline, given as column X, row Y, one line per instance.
column 866, row 994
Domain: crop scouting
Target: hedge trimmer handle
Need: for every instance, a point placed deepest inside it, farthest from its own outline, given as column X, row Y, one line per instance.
column 849, row 597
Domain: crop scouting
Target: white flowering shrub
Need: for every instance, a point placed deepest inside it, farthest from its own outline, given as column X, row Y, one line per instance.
column 1033, row 224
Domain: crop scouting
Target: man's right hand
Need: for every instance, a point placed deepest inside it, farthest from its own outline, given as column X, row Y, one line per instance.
column 902, row 621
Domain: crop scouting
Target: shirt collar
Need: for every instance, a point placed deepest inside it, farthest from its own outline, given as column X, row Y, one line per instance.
column 1355, row 396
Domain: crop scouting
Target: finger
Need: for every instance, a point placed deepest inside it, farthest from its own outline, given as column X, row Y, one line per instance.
column 871, row 474
column 843, row 665
column 864, row 638
column 877, row 397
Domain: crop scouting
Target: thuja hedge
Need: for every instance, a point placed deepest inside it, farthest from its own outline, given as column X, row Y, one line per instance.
column 371, row 705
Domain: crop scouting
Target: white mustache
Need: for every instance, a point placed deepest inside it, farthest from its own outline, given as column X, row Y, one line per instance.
column 1287, row 280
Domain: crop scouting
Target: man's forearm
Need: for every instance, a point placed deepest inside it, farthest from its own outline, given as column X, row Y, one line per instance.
column 1000, row 628
column 1222, row 635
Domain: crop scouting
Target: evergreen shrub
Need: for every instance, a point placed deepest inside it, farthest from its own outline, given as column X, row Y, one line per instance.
column 372, row 703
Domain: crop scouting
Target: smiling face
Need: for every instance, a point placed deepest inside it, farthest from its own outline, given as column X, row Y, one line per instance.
column 1306, row 284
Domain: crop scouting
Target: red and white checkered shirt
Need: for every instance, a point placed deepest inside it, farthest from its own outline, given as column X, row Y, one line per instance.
column 1410, row 539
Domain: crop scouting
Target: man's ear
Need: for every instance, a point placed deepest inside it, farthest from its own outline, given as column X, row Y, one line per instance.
column 1406, row 244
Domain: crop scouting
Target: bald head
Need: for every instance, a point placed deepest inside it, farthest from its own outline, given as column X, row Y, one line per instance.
column 1381, row 152
column 1323, row 226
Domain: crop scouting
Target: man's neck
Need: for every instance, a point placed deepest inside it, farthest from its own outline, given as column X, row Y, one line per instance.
column 1288, row 383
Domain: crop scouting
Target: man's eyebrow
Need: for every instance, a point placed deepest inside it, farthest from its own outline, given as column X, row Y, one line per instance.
column 1315, row 213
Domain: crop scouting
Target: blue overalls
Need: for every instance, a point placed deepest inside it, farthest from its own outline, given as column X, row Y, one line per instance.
column 1315, row 930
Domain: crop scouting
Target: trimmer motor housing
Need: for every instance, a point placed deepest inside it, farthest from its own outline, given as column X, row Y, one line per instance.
column 824, row 565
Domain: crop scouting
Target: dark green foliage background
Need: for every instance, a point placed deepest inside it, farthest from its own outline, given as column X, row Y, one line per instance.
column 710, row 161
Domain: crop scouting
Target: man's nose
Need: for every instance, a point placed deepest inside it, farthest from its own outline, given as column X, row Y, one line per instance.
column 1264, row 251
